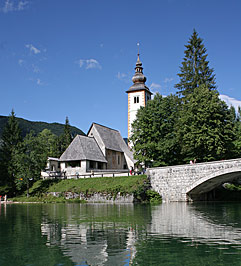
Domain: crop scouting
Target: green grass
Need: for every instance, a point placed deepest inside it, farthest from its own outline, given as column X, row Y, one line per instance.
column 137, row 185
column 110, row 185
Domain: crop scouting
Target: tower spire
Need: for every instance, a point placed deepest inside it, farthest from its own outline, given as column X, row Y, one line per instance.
column 138, row 54
column 138, row 93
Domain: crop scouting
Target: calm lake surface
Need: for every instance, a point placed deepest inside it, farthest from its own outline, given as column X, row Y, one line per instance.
column 127, row 234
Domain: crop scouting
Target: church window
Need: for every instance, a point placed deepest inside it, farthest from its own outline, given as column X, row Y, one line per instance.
column 136, row 99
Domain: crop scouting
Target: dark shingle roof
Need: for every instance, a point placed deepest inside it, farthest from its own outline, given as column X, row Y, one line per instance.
column 139, row 87
column 83, row 148
column 112, row 140
column 110, row 137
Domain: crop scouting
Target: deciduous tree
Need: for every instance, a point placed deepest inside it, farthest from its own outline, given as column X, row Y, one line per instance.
column 153, row 135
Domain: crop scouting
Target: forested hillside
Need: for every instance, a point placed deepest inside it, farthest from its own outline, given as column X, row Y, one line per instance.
column 26, row 126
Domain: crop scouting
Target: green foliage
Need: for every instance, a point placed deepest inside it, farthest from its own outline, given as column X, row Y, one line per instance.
column 237, row 132
column 11, row 137
column 67, row 134
column 37, row 127
column 205, row 127
column 153, row 196
column 198, row 125
column 64, row 140
column 195, row 70
column 153, row 132
column 28, row 161
column 31, row 157
column 233, row 187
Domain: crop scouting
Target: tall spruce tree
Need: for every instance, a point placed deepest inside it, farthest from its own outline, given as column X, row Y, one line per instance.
column 65, row 139
column 11, row 137
column 205, row 128
column 67, row 133
column 195, row 69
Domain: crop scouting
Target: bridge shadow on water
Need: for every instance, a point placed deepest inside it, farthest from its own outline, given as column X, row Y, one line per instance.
column 219, row 193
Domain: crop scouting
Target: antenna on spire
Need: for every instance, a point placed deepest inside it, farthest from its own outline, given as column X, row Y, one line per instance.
column 138, row 54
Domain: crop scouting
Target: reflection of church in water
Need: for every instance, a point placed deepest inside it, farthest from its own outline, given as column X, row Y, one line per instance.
column 102, row 234
column 94, row 243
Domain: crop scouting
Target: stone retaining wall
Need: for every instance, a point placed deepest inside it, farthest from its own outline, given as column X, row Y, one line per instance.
column 96, row 197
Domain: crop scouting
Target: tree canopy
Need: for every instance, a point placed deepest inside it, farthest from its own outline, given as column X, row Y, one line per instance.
column 205, row 127
column 195, row 124
column 11, row 137
column 195, row 70
column 153, row 132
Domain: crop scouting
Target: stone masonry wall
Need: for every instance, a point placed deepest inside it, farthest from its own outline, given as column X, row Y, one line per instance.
column 173, row 182
column 96, row 197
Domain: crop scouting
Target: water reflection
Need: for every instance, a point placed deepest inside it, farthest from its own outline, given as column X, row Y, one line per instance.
column 128, row 234
column 100, row 234
column 97, row 234
column 195, row 222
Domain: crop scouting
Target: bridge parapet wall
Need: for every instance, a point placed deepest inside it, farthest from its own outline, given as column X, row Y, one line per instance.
column 173, row 182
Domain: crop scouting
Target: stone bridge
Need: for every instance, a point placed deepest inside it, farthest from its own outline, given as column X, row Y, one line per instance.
column 192, row 181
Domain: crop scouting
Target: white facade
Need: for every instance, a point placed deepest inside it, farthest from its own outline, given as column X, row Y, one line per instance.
column 136, row 99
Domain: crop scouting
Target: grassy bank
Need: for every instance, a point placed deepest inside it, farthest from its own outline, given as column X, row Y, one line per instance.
column 137, row 185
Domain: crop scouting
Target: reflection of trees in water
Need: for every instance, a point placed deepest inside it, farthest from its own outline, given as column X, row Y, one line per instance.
column 191, row 234
column 220, row 212
column 100, row 234
column 21, row 240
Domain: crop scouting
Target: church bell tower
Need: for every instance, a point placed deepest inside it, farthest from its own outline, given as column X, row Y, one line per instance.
column 138, row 94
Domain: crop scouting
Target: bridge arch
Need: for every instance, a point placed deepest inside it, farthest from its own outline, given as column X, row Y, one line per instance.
column 213, row 180
column 187, row 182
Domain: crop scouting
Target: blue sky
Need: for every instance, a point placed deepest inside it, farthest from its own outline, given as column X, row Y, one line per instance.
column 76, row 58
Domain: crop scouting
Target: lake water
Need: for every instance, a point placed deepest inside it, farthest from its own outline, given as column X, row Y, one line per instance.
column 127, row 234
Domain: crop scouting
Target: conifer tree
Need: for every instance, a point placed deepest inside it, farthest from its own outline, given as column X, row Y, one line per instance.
column 195, row 69
column 63, row 141
column 67, row 133
column 11, row 137
column 205, row 127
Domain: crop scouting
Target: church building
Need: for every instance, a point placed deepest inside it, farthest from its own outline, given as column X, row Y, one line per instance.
column 103, row 150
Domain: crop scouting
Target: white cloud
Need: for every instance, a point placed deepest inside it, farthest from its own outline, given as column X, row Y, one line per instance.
column 22, row 5
column 121, row 75
column 166, row 80
column 89, row 63
column 20, row 62
column 230, row 101
column 35, row 68
column 155, row 86
column 39, row 82
column 92, row 63
column 14, row 5
column 32, row 49
column 81, row 62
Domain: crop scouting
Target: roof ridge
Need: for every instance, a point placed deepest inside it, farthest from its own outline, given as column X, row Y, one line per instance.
column 105, row 126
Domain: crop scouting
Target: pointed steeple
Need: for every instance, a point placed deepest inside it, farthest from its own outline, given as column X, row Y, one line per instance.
column 138, row 79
